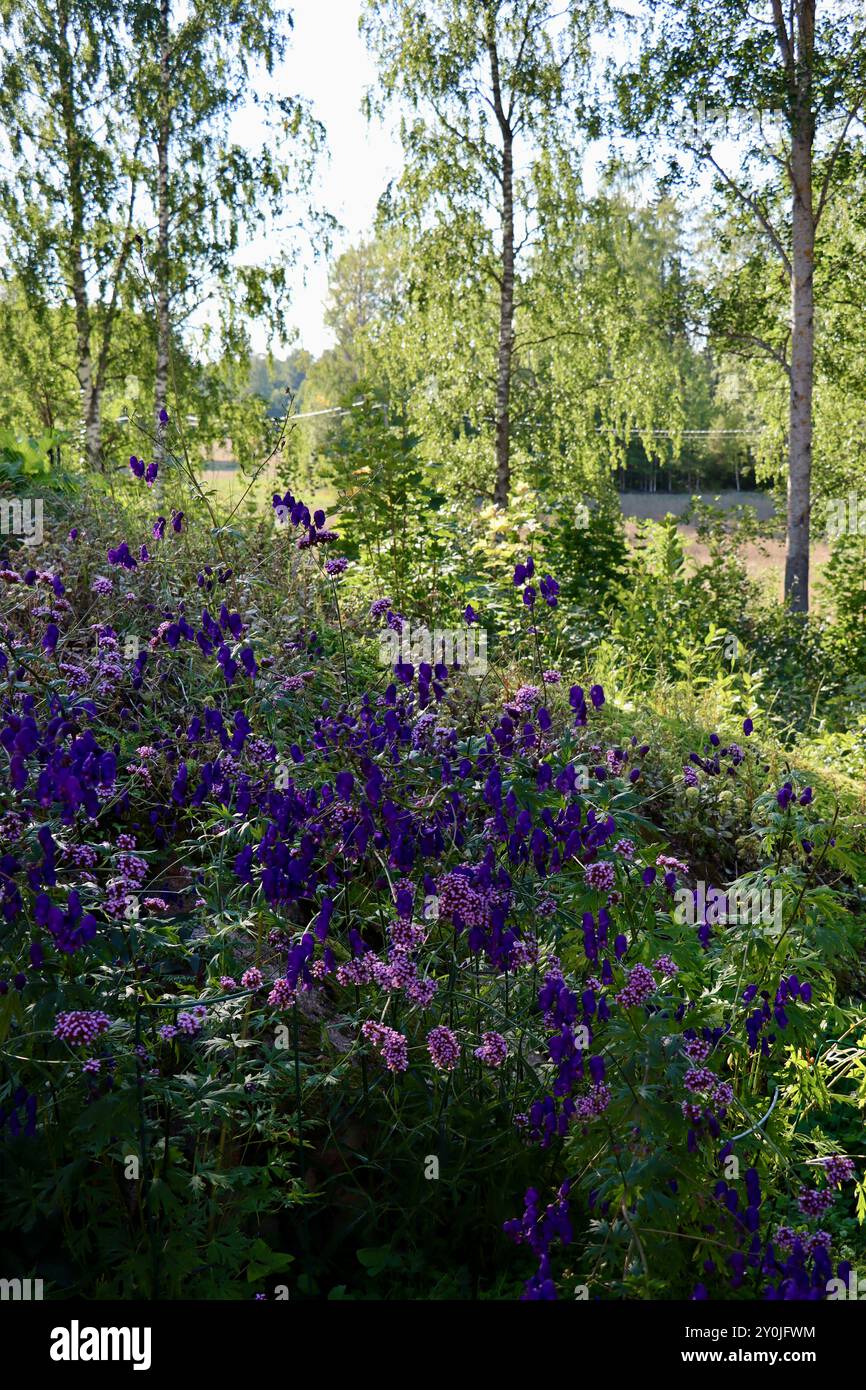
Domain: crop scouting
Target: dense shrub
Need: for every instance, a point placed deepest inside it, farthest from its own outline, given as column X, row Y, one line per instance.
column 367, row 982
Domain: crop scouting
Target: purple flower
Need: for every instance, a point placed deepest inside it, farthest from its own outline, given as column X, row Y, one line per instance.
column 391, row 1045
column 838, row 1169
column 637, row 988
column 493, row 1050
column 600, row 876
column 444, row 1048
column 80, row 1027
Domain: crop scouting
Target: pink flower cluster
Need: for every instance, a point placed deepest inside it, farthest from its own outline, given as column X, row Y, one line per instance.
column 282, row 996
column 637, row 988
column 191, row 1021
column 456, row 894
column 600, row 876
column 667, row 861
column 667, row 965
column 815, row 1202
column 444, row 1048
column 493, row 1050
column 595, row 1103
column 392, row 1046
column 80, row 1027
column 838, row 1169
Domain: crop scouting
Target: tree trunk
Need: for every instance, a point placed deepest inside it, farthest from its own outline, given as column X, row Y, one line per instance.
column 502, row 485
column 802, row 318
column 91, row 400
column 163, row 326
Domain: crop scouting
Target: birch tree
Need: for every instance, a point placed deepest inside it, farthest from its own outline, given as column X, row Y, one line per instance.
column 484, row 84
column 784, row 82
column 70, row 179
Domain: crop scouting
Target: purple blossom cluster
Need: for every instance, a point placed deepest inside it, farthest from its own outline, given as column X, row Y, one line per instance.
column 81, row 1027
column 393, row 1047
column 444, row 1048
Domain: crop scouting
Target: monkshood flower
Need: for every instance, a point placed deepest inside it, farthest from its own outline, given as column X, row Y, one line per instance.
column 21, row 1099
column 71, row 929
column 469, row 614
column 790, row 989
column 119, row 555
column 81, row 1027
column 549, row 590
column 312, row 536
column 50, row 638
column 785, row 795
column 540, row 1230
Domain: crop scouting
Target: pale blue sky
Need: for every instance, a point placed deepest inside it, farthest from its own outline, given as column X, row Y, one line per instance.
column 329, row 64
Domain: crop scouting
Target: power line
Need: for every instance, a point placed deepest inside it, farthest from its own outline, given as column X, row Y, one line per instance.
column 599, row 429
